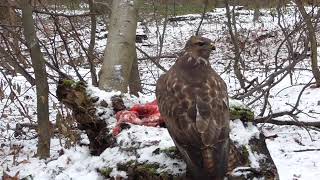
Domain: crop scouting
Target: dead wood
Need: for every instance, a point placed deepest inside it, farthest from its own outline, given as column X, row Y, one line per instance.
column 74, row 96
column 286, row 122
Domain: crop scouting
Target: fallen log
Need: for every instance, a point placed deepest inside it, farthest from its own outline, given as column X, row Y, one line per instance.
column 249, row 158
column 287, row 122
column 73, row 95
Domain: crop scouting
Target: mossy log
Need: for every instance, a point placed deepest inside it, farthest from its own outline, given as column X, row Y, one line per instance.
column 239, row 164
column 239, row 111
column 73, row 95
column 244, row 168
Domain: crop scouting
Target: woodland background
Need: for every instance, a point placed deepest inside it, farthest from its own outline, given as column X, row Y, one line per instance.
column 267, row 52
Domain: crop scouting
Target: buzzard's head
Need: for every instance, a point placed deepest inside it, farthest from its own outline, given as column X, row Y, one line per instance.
column 199, row 46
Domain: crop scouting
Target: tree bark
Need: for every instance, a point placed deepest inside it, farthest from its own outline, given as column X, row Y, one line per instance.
column 135, row 81
column 74, row 96
column 256, row 14
column 120, row 52
column 42, row 87
column 313, row 42
column 235, row 41
column 92, row 43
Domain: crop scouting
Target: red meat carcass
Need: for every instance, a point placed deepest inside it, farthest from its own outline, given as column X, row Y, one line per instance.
column 147, row 114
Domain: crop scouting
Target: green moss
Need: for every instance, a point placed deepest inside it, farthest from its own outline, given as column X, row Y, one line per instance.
column 241, row 113
column 126, row 165
column 245, row 153
column 150, row 169
column 131, row 162
column 139, row 168
column 171, row 152
column 80, row 86
column 171, row 149
column 69, row 83
column 77, row 85
column 105, row 171
column 164, row 175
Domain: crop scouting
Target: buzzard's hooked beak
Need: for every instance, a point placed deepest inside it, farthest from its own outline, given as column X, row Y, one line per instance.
column 212, row 46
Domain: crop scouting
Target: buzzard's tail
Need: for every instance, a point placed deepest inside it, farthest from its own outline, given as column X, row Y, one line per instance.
column 235, row 158
column 215, row 161
column 208, row 159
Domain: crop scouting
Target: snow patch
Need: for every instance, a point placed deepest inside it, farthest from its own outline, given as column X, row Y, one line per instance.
column 241, row 134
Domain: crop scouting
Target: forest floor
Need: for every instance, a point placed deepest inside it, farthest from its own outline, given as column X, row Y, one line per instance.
column 295, row 150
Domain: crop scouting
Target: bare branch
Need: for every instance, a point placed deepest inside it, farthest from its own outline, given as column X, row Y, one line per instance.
column 151, row 59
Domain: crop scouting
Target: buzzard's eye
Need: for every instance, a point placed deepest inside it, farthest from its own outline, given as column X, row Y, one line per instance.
column 200, row 43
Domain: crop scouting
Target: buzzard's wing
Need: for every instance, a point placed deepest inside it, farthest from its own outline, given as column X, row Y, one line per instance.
column 174, row 114
column 197, row 118
column 212, row 124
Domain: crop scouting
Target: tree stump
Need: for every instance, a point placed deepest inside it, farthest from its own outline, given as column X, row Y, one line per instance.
column 73, row 95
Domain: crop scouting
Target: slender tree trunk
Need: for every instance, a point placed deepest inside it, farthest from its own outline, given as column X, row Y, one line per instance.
column 135, row 81
column 13, row 20
column 235, row 41
column 256, row 14
column 313, row 42
column 40, row 80
column 120, row 52
column 92, row 43
column 3, row 12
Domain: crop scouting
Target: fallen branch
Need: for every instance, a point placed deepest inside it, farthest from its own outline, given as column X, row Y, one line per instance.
column 169, row 56
column 152, row 59
column 286, row 122
column 293, row 112
column 86, row 14
column 306, row 150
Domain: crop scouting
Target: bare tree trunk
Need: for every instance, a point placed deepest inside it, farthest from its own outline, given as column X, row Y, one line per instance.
column 40, row 80
column 4, row 11
column 313, row 42
column 91, row 45
column 235, row 42
column 120, row 52
column 135, row 81
column 256, row 14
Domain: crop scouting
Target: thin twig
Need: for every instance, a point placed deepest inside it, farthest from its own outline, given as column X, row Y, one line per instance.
column 306, row 150
column 152, row 59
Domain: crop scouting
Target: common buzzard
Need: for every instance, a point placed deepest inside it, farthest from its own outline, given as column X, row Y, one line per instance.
column 193, row 100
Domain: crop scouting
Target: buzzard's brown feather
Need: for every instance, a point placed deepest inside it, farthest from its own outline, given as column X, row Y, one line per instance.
column 194, row 102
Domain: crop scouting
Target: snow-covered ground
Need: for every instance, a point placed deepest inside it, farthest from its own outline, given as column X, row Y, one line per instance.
column 295, row 150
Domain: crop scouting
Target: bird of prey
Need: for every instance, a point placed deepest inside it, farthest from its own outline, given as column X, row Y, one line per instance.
column 193, row 100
